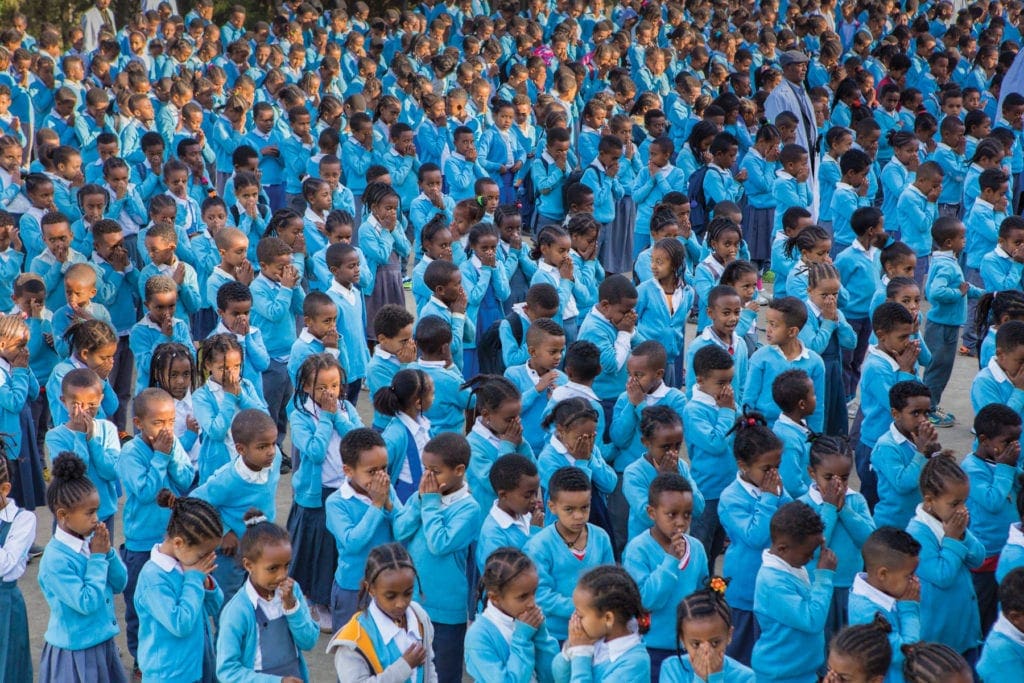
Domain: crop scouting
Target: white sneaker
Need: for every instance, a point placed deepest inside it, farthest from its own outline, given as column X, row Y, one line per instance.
column 322, row 616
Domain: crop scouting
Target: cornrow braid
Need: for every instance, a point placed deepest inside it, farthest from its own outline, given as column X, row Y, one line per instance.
column 387, row 557
column 702, row 604
column 308, row 373
column 163, row 359
column 752, row 437
column 214, row 346
column 69, row 485
column 824, row 445
column 805, row 239
column 614, row 590
column 192, row 519
column 89, row 335
column 931, row 662
column 819, row 272
column 503, row 565
column 868, row 645
column 490, row 391
column 939, row 472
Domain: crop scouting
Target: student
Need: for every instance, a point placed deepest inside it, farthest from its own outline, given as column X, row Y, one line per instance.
column 838, row 141
column 510, row 634
column 143, row 474
column 387, row 606
column 91, row 344
column 898, row 174
column 268, row 596
column 790, row 606
column 444, row 501
column 1002, row 268
column 652, row 183
column 556, row 268
column 1003, row 651
column 80, row 282
column 791, row 188
column 847, row 520
column 174, row 370
column 549, row 173
column 436, row 245
column 746, row 507
column 513, row 254
column 277, row 299
column 916, row 213
column 395, row 347
column 385, row 246
column 517, row 513
column 407, row 431
column 344, row 263
column 606, row 600
column 861, row 652
column 584, row 236
column 794, row 219
column 666, row 562
column 567, row 548
column 992, row 470
column 664, row 303
column 947, row 291
column 611, row 325
column 793, row 392
column 851, row 193
column 234, row 305
column 447, row 412
column 535, row 379
column 176, row 594
column 724, row 310
column 761, row 164
column 949, row 551
column 997, row 381
column 360, row 515
column 723, row 239
column 319, row 418
column 893, row 359
column 541, row 302
column 79, row 574
column 17, row 530
column 248, row 484
column 320, row 335
column 497, row 430
column 926, row 662
column 486, row 287
column 785, row 317
column 664, row 225
column 601, row 174
column 813, row 245
column 52, row 262
column 449, row 302
column 983, row 226
column 888, row 589
column 463, row 167
column 430, row 204
column 1012, row 554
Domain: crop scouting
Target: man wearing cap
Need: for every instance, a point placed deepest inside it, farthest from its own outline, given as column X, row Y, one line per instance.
column 791, row 96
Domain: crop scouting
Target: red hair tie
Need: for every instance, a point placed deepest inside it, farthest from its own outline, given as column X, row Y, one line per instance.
column 751, row 422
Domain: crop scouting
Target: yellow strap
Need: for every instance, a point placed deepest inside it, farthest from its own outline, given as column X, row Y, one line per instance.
column 354, row 632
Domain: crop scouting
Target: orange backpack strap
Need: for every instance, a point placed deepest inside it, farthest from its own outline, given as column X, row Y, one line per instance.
column 354, row 632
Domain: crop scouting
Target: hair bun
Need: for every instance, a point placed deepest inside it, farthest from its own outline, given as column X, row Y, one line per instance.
column 166, row 499
column 68, row 467
column 253, row 517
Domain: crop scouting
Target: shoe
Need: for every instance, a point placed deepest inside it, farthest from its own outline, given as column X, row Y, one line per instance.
column 136, row 672
column 852, row 406
column 286, row 464
column 407, row 283
column 966, row 351
column 692, row 318
column 768, row 277
column 35, row 551
column 762, row 300
column 322, row 616
column 941, row 419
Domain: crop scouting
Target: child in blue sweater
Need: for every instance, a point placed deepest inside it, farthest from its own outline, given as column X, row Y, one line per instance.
column 611, row 325
column 847, row 520
column 234, row 305
column 518, row 512
column 161, row 241
column 91, row 344
column 999, row 380
column 664, row 303
column 893, row 359
column 563, row 551
column 745, row 510
column 360, row 515
column 791, row 183
column 900, row 453
column 791, row 606
column 666, row 562
column 601, row 593
column 708, row 418
column 793, row 392
column 947, row 291
column 785, row 318
column 486, row 287
column 1003, row 650
column 993, row 470
column 248, row 483
column 447, row 411
column 535, row 379
column 850, row 194
column 860, row 653
column 723, row 239
column 158, row 326
column 724, row 310
column 437, row 246
column 510, row 635
column 403, row 403
column 176, row 595
column 271, row 597
column 152, row 461
column 916, row 212
column 497, row 430
column 438, row 526
column 1003, row 268
column 555, row 267
column 79, row 574
column 449, row 302
column 395, row 347
column 949, row 551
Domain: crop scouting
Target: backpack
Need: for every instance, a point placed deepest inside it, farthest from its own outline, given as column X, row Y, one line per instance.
column 488, row 349
column 699, row 206
column 262, row 209
column 575, row 176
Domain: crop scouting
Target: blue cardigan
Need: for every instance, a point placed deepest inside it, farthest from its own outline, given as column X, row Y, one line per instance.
column 489, row 657
column 747, row 521
column 633, row 665
column 904, row 616
column 677, row 669
column 898, row 464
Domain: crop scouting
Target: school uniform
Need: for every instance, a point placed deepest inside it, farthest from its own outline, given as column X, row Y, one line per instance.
column 448, row 411
column 351, row 325
column 603, row 480
column 46, row 266
column 830, row 339
column 534, row 404
column 255, row 359
column 319, row 474
column 736, row 348
column 624, row 428
column 500, row 529
column 769, row 362
column 17, row 531
column 258, row 636
column 648, row 191
column 215, row 409
column 788, row 192
column 895, row 179
column 100, row 454
column 706, row 276
column 991, row 385
column 463, row 330
column 560, row 567
column 487, row 289
column 791, row 610
column 679, row 669
column 904, row 616
column 615, row 346
column 406, row 437
column 174, row 606
column 1012, row 555
column 1003, row 651
column 498, row 643
column 954, row 171
column 438, row 531
column 759, row 212
column 234, row 489
column 829, row 177
column 1000, row 272
column 18, row 389
column 274, row 308
column 898, row 465
column 383, row 366
column 945, row 576
column 371, row 644
column 662, row 317
column 568, row 312
column 622, row 659
column 795, row 454
column 947, row 313
column 486, row 447
column 79, row 640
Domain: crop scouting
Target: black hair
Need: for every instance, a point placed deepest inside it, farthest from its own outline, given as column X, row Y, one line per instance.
column 548, row 235
column 391, row 319
column 653, row 417
column 702, row 604
column 734, row 270
column 825, row 446
column 432, row 333
column 709, row 358
column 571, row 479
column 543, row 294
column 895, row 252
column 89, row 335
column 796, row 520
column 819, row 272
column 751, row 436
column 434, row 226
column 789, row 388
column 791, row 153
column 653, row 351
column 994, row 306
column 453, row 449
column 888, row 546
column 616, row 288
column 193, row 520
column 540, row 329
column 217, row 345
column 901, row 393
column 864, row 218
column 718, row 227
column 500, row 569
column 232, row 291
column 897, row 284
column 794, row 312
column 793, row 214
column 568, row 411
column 1010, row 335
column 438, row 274
column 81, row 378
column 387, row 557
column 1011, row 591
column 806, row 239
column 508, row 470
column 249, row 423
column 583, row 358
column 356, row 442
column 315, row 301
column 939, row 472
column 308, row 373
column 69, row 484
column 260, row 532
column 868, row 645
column 490, row 391
column 992, row 179
column 720, row 292
column 669, row 481
column 612, row 589
column 406, row 387
column 888, row 315
column 994, row 419
column 853, row 160
column 931, row 662
column 946, row 228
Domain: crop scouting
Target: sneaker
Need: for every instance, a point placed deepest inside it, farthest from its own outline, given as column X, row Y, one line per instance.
column 322, row 616
column 852, row 406
column 941, row 419
column 967, row 351
column 762, row 300
column 407, row 283
column 35, row 551
column 286, row 464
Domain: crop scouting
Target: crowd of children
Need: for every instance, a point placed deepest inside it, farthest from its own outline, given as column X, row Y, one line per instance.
column 207, row 234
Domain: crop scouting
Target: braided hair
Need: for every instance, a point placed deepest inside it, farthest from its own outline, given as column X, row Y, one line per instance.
column 193, row 520
column 260, row 533
column 163, row 360
column 867, row 644
column 939, row 472
column 69, row 486
column 502, row 567
column 383, row 558
column 931, row 663
column 752, row 437
column 612, row 589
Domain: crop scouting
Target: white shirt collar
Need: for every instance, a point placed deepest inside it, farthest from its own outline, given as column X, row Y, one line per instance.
column 1001, row 253
column 165, row 562
column 314, row 217
column 455, row 496
column 505, row 520
column 250, row 477
column 875, row 351
column 787, row 420
column 933, row 524
column 710, row 335
column 943, row 254
column 547, row 267
column 503, row 622
column 716, row 268
column 481, row 430
column 1004, row 626
column 897, row 435
column 803, row 355
column 998, row 374
column 814, row 493
column 432, row 363
column 658, row 394
column 347, row 492
column 864, row 589
column 773, row 561
column 389, row 630
column 573, row 390
column 701, row 396
column 1016, row 536
column 378, row 350
column 416, row 426
column 306, row 336
column 348, row 293
column 857, row 246
column 78, row 545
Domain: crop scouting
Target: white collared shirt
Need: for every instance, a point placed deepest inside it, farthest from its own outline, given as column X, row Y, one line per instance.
column 331, row 473
column 347, row 492
column 481, row 430
column 870, row 252
column 875, row 351
column 773, row 561
column 998, row 374
column 573, row 390
column 183, row 411
column 347, row 293
column 389, row 630
column 165, row 562
column 505, row 624
column 814, row 493
column 218, row 393
column 272, row 609
column 710, row 335
column 223, row 329
column 701, row 396
column 455, row 496
column 864, row 589
column 659, row 393
column 897, row 436
column 571, row 309
column 248, row 476
column 933, row 524
column 712, row 263
column 78, row 545
column 623, row 340
column 787, row 420
column 1004, row 626
column 14, row 552
column 505, row 520
column 419, row 428
column 1016, row 536
column 803, row 355
column 612, row 650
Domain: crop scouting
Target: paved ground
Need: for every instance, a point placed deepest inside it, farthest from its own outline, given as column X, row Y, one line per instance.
column 957, row 438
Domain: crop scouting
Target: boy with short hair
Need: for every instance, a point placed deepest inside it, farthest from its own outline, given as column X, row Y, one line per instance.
column 549, row 173
column 947, row 291
column 982, row 224
column 320, row 334
column 518, row 512
column 1004, row 649
column 462, row 168
column 611, row 325
column 295, row 150
column 1002, row 380
column 430, row 202
column 538, row 376
column 850, row 194
column 234, row 306
column 449, row 302
column 433, row 338
column 791, row 187
column 79, row 291
column 793, row 392
column 343, row 262
column 395, row 347
column 916, row 211
column 541, row 302
column 56, row 258
column 1003, row 267
column 161, row 243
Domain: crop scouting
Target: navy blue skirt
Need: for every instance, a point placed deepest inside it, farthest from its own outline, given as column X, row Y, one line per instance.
column 97, row 664
column 15, row 652
column 314, row 553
